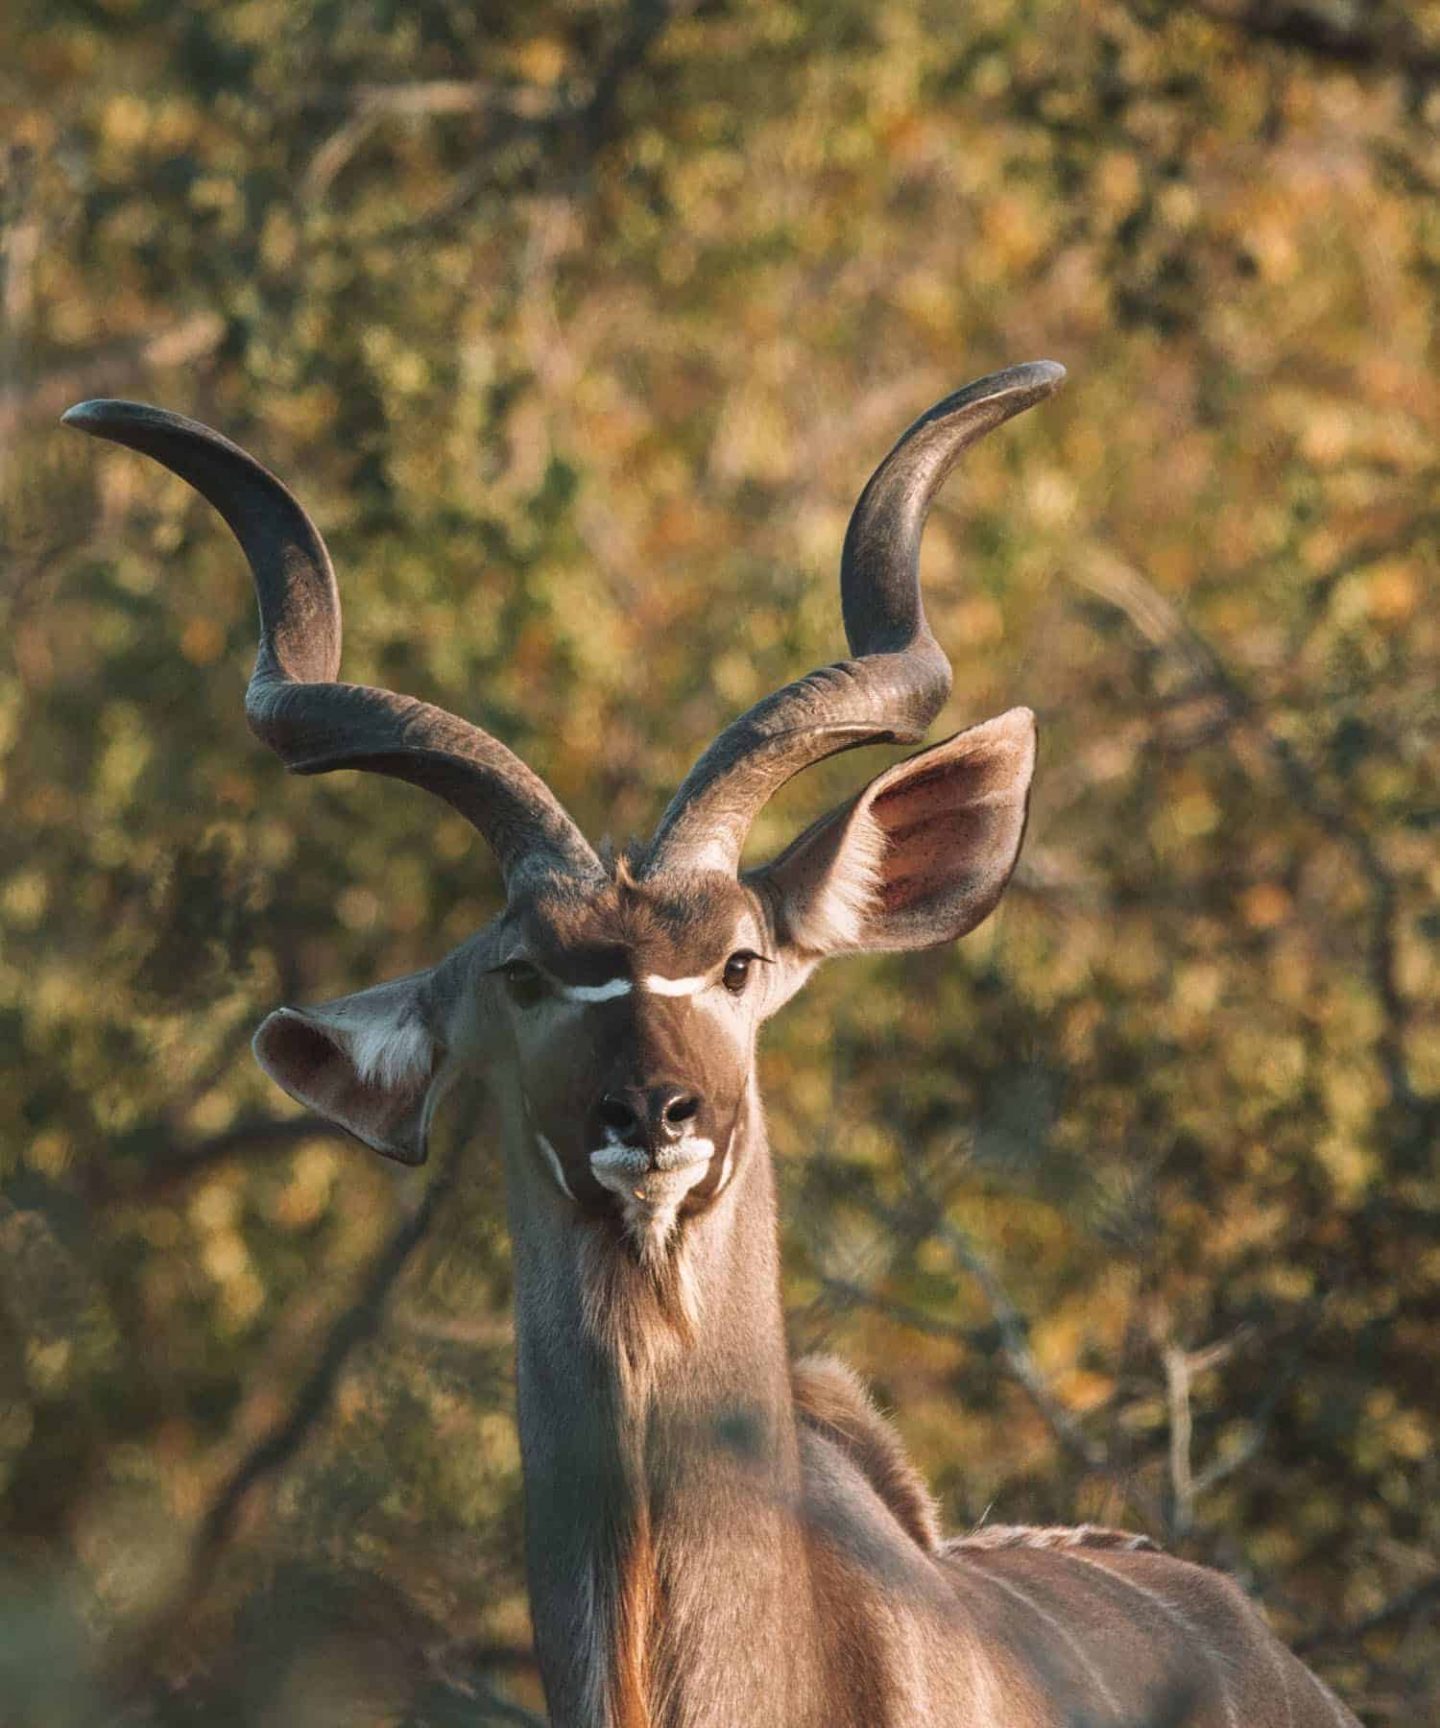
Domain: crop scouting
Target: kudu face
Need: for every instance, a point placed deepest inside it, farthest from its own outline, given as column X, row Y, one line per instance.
column 614, row 1007
column 627, row 1015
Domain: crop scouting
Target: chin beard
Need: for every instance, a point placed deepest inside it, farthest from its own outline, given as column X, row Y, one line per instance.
column 640, row 1299
column 651, row 1225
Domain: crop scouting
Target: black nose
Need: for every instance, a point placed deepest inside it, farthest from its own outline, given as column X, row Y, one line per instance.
column 649, row 1116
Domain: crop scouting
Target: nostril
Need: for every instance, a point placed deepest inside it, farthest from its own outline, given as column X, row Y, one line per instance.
column 684, row 1107
column 617, row 1114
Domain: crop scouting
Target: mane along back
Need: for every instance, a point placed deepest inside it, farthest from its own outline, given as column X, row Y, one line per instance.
column 988, row 1537
column 831, row 1400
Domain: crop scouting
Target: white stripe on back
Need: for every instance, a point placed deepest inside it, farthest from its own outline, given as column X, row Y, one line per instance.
column 1177, row 1615
column 1082, row 1655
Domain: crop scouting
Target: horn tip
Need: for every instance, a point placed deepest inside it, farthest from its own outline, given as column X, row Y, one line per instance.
column 1037, row 377
column 101, row 413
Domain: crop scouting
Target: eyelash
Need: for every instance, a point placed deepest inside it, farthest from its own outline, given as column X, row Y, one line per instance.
column 746, row 958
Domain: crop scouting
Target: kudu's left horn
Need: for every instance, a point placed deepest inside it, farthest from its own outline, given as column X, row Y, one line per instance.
column 295, row 703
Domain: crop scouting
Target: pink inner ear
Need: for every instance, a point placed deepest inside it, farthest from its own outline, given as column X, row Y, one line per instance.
column 302, row 1055
column 934, row 823
column 315, row 1070
column 922, row 857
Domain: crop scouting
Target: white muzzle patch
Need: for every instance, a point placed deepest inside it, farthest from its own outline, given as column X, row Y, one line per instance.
column 650, row 1197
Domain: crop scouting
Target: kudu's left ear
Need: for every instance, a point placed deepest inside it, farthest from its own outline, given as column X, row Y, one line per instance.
column 370, row 1062
column 921, row 856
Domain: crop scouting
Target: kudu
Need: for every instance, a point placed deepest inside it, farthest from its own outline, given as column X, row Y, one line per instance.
column 716, row 1538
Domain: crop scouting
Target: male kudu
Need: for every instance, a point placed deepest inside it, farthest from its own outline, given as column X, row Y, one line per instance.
column 716, row 1538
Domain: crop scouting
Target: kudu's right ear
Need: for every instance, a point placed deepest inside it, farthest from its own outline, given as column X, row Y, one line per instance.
column 369, row 1062
column 920, row 857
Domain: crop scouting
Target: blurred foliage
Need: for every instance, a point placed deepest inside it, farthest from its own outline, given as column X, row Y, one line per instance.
column 579, row 327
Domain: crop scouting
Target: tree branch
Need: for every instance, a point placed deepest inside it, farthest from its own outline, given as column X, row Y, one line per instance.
column 374, row 104
column 1361, row 37
column 1182, row 1475
column 180, row 1164
column 590, row 123
column 1162, row 624
column 1398, row 1608
column 928, row 1220
column 276, row 1448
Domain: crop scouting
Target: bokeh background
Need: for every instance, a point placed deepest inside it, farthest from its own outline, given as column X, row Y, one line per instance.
column 579, row 328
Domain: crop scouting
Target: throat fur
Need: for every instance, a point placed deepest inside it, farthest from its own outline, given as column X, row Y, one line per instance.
column 638, row 1312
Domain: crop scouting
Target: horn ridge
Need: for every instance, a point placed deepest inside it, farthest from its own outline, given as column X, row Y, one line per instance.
column 880, row 592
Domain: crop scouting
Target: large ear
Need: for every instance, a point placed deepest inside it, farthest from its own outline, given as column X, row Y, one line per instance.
column 920, row 857
column 370, row 1062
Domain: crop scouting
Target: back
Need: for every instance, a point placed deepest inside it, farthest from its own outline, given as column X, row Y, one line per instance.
column 1017, row 1625
column 1121, row 1635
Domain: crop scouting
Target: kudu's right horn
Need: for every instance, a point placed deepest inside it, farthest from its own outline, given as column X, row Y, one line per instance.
column 899, row 677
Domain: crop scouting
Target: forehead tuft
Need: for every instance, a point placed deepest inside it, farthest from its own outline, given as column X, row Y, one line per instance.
column 678, row 924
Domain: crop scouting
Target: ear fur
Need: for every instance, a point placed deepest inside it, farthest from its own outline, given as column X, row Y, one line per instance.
column 920, row 857
column 369, row 1062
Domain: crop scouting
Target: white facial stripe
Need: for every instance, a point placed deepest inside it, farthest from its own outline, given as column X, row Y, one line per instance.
column 606, row 992
column 659, row 986
column 552, row 1158
column 654, row 982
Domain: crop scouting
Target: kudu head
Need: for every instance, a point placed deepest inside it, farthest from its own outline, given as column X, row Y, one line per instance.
column 613, row 1006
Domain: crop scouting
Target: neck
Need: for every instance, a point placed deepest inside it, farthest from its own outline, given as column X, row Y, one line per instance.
column 661, row 1462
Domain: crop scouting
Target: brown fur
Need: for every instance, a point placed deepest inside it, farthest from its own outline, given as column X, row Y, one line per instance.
column 674, row 928
column 694, row 1561
column 831, row 1400
column 634, row 1614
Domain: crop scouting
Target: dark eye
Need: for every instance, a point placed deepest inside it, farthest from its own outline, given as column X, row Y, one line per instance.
column 737, row 971
column 526, row 983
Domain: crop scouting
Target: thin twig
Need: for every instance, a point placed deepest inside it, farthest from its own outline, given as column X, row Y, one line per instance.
column 1015, row 1348
column 1161, row 622
column 1182, row 1476
column 588, row 124
column 1359, row 37
column 356, row 1326
column 374, row 104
